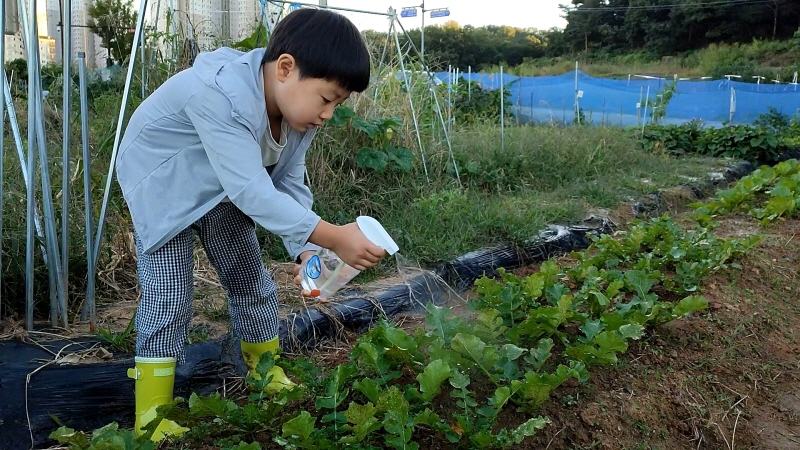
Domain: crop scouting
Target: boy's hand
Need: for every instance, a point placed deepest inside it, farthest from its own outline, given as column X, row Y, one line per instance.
column 297, row 279
column 355, row 249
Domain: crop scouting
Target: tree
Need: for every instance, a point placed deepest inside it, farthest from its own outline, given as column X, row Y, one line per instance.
column 16, row 70
column 114, row 21
column 664, row 27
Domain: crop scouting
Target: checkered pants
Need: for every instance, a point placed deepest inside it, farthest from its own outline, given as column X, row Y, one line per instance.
column 167, row 288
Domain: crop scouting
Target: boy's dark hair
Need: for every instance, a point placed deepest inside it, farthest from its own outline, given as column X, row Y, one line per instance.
column 325, row 45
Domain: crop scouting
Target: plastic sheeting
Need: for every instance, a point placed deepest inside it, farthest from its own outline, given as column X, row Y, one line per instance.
column 87, row 396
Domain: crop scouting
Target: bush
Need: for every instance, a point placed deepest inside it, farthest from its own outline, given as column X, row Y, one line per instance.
column 473, row 104
column 763, row 142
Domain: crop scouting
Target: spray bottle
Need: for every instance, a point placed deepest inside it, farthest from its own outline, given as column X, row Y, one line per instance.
column 324, row 273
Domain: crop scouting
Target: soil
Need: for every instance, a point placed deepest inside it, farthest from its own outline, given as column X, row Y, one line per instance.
column 728, row 378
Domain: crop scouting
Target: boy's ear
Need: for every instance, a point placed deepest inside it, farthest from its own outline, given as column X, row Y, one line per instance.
column 284, row 66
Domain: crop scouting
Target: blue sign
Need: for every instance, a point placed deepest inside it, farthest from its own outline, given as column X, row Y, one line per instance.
column 408, row 13
column 294, row 6
column 440, row 13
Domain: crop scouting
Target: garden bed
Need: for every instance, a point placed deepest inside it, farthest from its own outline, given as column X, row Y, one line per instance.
column 216, row 363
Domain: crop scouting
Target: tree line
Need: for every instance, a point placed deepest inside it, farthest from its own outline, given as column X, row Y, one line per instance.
column 594, row 28
column 611, row 27
column 664, row 27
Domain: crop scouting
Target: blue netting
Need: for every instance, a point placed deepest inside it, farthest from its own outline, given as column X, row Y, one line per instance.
column 624, row 102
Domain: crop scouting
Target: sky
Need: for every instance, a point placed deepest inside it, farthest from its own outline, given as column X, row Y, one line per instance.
column 541, row 14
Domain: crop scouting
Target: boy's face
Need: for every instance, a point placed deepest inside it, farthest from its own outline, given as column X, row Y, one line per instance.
column 306, row 103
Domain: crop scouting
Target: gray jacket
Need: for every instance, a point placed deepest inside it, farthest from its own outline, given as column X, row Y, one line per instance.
column 195, row 140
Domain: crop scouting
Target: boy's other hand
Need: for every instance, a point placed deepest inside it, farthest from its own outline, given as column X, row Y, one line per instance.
column 355, row 249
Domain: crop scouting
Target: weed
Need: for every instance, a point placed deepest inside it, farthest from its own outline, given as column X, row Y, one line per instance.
column 123, row 341
column 214, row 311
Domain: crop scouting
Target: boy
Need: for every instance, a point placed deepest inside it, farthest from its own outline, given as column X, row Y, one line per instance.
column 215, row 150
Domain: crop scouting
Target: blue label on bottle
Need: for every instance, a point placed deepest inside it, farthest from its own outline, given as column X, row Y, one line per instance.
column 313, row 267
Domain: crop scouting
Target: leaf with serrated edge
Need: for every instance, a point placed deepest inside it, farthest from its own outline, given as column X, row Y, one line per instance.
column 511, row 352
column 443, row 325
column 528, row 429
column 534, row 285
column 301, row 426
column 395, row 420
column 540, row 354
column 369, row 388
column 475, row 349
column 689, row 305
column 436, row 373
column 591, row 328
column 631, row 331
column 363, row 420
column 210, row 406
column 489, row 324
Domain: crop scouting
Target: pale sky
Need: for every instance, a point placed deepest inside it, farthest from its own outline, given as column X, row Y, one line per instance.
column 541, row 14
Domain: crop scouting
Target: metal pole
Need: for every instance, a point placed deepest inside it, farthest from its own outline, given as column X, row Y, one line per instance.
column 15, row 131
column 646, row 104
column 88, row 310
column 36, row 127
column 2, row 140
column 432, row 90
column 450, row 82
column 125, row 95
column 172, row 21
column 502, row 113
column 31, row 199
column 58, row 289
column 446, row 134
column 530, row 115
column 422, row 40
column 458, row 77
column 519, row 98
column 35, row 118
column 577, row 106
column 469, row 83
column 155, row 28
column 66, row 62
column 142, row 63
column 639, row 106
column 383, row 55
column 410, row 97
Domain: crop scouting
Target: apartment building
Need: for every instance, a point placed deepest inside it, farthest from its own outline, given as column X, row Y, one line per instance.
column 15, row 49
column 209, row 23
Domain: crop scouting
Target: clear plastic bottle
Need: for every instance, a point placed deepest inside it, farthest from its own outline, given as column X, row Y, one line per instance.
column 324, row 273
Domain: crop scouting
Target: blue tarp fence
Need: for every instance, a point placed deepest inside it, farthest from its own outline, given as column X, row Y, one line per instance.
column 624, row 102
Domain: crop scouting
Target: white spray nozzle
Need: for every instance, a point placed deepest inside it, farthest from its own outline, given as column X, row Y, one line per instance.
column 375, row 232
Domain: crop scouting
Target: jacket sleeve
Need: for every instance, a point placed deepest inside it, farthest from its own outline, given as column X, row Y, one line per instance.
column 235, row 156
column 293, row 185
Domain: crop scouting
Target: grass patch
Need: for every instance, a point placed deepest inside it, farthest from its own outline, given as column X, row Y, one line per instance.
column 544, row 175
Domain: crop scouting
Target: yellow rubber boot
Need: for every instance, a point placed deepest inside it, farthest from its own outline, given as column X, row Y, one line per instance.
column 155, row 379
column 251, row 352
